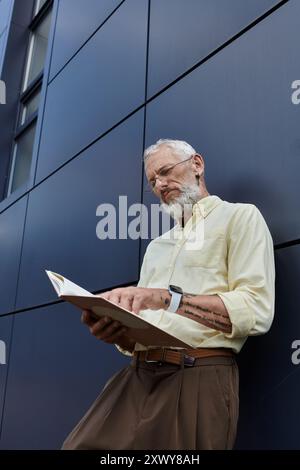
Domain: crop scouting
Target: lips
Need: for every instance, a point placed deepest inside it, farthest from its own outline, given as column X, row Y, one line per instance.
column 166, row 193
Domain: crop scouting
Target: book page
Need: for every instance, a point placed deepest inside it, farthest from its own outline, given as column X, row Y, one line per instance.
column 64, row 286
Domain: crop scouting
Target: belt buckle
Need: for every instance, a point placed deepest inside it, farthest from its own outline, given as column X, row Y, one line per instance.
column 160, row 362
column 189, row 361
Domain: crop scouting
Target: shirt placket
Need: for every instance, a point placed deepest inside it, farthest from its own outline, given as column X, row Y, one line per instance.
column 198, row 215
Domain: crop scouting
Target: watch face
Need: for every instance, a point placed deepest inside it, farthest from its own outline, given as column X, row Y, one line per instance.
column 175, row 289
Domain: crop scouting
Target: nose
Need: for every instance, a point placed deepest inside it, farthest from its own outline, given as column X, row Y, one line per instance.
column 160, row 184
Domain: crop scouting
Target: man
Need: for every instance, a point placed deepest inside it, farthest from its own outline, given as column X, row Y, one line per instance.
column 209, row 281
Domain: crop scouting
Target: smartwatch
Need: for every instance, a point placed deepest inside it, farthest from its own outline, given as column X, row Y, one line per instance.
column 176, row 296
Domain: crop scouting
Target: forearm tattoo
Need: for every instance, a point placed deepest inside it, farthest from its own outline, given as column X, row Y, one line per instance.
column 162, row 296
column 164, row 300
column 190, row 308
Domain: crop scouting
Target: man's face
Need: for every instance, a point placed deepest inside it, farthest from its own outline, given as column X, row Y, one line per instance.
column 170, row 185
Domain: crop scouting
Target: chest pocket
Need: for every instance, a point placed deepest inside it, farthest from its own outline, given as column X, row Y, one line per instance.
column 212, row 254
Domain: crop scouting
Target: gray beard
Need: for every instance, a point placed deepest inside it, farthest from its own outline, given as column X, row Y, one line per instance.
column 183, row 204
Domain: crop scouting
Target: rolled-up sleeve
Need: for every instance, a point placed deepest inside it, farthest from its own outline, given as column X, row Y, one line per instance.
column 123, row 351
column 251, row 274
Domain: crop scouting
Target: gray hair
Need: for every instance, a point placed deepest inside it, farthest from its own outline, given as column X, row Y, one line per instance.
column 180, row 147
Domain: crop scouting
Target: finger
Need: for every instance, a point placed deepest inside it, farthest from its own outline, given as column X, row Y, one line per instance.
column 111, row 294
column 108, row 331
column 104, row 295
column 116, row 336
column 126, row 302
column 100, row 325
column 136, row 304
column 88, row 317
column 115, row 297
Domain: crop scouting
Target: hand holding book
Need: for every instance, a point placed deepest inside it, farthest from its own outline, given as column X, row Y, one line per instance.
column 108, row 330
column 108, row 305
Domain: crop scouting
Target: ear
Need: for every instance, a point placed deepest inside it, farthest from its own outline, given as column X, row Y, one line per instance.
column 198, row 164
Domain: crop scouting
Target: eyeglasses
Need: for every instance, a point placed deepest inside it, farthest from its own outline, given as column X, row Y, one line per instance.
column 165, row 171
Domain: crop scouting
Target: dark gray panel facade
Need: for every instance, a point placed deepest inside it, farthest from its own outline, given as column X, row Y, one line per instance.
column 61, row 222
column 183, row 33
column 57, row 369
column 83, row 22
column 5, row 336
column 5, row 11
column 3, row 37
column 5, row 16
column 107, row 79
column 2, row 44
column 237, row 110
column 11, row 232
column 270, row 370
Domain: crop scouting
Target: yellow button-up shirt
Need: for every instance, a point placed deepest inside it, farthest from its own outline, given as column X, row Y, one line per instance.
column 225, row 249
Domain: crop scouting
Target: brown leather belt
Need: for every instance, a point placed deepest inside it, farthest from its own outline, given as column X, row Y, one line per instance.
column 172, row 356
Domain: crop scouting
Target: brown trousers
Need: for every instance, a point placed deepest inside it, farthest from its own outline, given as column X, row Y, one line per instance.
column 170, row 407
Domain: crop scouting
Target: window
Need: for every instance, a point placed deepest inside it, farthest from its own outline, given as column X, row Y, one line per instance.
column 37, row 50
column 30, row 95
column 30, row 105
column 38, row 5
column 22, row 158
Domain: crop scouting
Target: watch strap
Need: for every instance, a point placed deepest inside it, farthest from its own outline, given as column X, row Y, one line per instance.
column 175, row 302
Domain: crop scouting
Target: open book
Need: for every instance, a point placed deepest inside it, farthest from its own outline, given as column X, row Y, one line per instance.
column 139, row 329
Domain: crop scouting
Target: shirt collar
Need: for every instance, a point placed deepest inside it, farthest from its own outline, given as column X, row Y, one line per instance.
column 206, row 205
column 201, row 209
